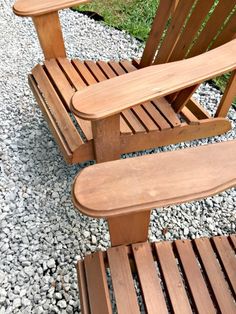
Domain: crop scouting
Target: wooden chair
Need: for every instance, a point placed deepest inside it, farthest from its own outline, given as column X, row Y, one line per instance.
column 151, row 104
column 183, row 276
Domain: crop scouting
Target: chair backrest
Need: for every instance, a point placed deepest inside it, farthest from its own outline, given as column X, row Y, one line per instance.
column 185, row 28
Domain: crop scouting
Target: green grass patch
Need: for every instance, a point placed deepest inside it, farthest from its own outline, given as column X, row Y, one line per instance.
column 134, row 16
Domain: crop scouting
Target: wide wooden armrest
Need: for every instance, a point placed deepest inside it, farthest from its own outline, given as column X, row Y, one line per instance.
column 39, row 7
column 138, row 184
column 117, row 94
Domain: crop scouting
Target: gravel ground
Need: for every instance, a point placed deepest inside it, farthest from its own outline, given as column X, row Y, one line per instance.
column 41, row 235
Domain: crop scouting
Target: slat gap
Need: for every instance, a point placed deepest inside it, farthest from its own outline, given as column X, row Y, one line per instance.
column 80, row 74
column 163, row 115
column 57, row 90
column 66, row 75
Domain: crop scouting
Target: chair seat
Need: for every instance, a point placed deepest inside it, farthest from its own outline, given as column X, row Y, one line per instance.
column 183, row 276
column 55, row 82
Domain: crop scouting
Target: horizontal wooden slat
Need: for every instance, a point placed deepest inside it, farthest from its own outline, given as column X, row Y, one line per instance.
column 150, row 283
column 192, row 271
column 84, row 300
column 57, row 109
column 215, row 276
column 98, row 292
column 228, row 259
column 122, row 281
column 163, row 272
column 174, row 284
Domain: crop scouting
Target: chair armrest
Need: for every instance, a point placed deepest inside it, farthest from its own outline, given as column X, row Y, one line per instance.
column 139, row 184
column 117, row 94
column 39, row 7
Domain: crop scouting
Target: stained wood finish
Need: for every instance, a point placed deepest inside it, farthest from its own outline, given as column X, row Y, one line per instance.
column 50, row 35
column 35, row 7
column 170, row 277
column 182, row 176
column 120, row 93
column 61, row 78
column 97, row 287
column 228, row 97
column 215, row 275
column 123, row 229
column 107, row 138
column 150, row 283
column 184, row 35
column 122, row 281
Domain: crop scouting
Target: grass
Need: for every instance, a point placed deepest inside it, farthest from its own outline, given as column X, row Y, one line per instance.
column 135, row 17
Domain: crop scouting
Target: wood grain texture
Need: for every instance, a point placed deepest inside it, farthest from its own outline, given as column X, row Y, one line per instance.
column 228, row 97
column 122, row 281
column 173, row 281
column 35, row 7
column 50, row 35
column 133, row 185
column 150, row 283
column 215, row 276
column 171, row 277
column 98, row 292
column 120, row 93
column 123, row 229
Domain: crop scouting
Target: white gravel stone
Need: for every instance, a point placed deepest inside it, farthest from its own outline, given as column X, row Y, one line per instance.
column 62, row 304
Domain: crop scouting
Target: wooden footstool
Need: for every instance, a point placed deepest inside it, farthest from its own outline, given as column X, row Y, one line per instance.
column 133, row 276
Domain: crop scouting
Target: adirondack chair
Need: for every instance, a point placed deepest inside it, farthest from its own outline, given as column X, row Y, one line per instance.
column 94, row 113
column 183, row 276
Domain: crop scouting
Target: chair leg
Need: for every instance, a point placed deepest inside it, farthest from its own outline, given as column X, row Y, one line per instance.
column 106, row 135
column 131, row 228
column 227, row 98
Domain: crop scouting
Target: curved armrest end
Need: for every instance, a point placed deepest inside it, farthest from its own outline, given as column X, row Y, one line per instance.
column 139, row 184
column 35, row 7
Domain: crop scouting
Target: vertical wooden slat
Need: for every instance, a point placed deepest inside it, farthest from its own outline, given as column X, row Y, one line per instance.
column 163, row 12
column 228, row 259
column 122, row 281
column 50, row 35
column 129, row 229
column 228, row 97
column 150, row 283
column 174, row 30
column 194, row 23
column 215, row 276
column 197, row 285
column 84, row 301
column 172, row 278
column 227, row 33
column 99, row 299
column 221, row 12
